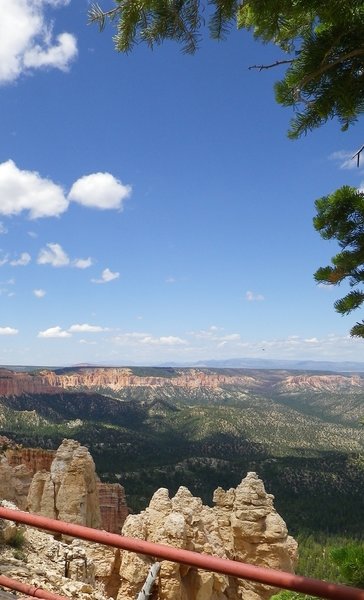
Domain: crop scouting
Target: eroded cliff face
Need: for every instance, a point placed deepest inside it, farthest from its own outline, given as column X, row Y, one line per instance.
column 13, row 383
column 115, row 379
column 29, row 471
column 113, row 507
column 243, row 525
column 35, row 459
column 321, row 383
column 69, row 490
column 14, row 482
column 118, row 378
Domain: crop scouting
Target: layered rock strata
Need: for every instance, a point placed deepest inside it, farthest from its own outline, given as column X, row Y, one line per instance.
column 13, row 383
column 35, row 459
column 118, row 378
column 113, row 507
column 243, row 525
column 98, row 379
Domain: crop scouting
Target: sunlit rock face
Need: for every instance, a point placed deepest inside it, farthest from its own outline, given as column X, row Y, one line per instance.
column 243, row 525
column 31, row 471
column 69, row 491
column 15, row 384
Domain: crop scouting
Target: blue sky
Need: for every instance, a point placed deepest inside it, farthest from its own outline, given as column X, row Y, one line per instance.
column 152, row 208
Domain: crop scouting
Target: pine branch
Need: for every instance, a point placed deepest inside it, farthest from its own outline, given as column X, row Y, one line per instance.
column 321, row 70
column 96, row 14
column 276, row 64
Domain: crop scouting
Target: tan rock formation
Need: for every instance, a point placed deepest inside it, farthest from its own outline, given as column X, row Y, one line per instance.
column 14, row 482
column 243, row 525
column 22, row 468
column 69, row 491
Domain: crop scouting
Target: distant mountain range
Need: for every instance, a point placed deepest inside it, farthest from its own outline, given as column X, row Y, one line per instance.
column 267, row 363
column 228, row 363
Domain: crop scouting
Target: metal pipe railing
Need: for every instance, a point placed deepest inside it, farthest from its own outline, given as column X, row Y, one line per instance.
column 279, row 579
column 29, row 590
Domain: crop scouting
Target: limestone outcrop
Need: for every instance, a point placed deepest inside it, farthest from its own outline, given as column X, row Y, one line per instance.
column 243, row 525
column 69, row 491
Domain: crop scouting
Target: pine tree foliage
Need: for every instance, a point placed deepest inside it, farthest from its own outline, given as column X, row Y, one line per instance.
column 340, row 216
column 323, row 42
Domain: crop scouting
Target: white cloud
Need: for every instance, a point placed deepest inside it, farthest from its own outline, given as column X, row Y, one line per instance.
column 86, row 328
column 23, row 260
column 54, row 332
column 99, row 190
column 53, row 255
column 170, row 280
column 82, row 263
column 39, row 293
column 26, row 40
column 3, row 229
column 344, row 158
column 252, row 297
column 28, row 191
column 8, row 331
column 106, row 276
column 4, row 260
column 58, row 56
column 231, row 337
column 169, row 340
column 136, row 339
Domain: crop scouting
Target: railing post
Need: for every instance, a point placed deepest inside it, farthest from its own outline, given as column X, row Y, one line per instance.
column 149, row 582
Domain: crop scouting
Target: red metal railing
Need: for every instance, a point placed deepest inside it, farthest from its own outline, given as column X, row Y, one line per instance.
column 28, row 590
column 279, row 579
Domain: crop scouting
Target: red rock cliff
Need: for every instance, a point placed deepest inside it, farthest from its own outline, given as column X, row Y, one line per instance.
column 118, row 378
column 35, row 459
column 15, row 384
column 113, row 506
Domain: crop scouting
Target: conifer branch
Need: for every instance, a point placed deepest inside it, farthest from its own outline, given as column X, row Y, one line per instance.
column 275, row 64
column 326, row 67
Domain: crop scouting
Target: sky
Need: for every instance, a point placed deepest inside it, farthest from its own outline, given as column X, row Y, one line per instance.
column 152, row 208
